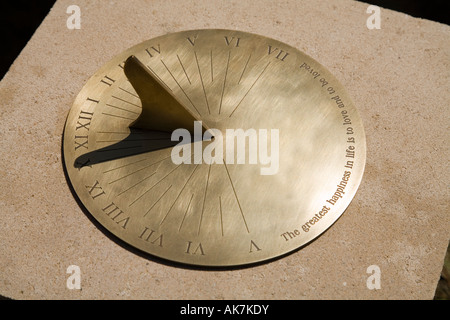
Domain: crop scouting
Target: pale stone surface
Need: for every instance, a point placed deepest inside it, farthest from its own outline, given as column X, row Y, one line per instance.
column 398, row 77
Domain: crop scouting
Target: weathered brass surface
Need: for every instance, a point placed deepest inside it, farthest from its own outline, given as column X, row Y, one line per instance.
column 214, row 214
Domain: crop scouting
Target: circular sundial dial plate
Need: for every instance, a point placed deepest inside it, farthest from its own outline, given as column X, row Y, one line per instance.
column 303, row 159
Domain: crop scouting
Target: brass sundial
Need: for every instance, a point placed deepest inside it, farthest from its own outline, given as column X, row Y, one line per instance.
column 214, row 147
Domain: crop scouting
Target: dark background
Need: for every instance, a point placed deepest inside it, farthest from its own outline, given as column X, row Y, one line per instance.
column 21, row 18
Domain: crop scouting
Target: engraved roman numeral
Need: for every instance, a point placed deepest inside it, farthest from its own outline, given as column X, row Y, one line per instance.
column 116, row 215
column 281, row 54
column 198, row 249
column 253, row 246
column 150, row 236
column 231, row 40
column 95, row 191
column 153, row 49
column 84, row 120
column 83, row 143
column 108, row 81
column 192, row 41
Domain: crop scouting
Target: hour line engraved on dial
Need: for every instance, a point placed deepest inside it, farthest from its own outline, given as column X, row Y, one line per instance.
column 245, row 67
column 133, row 163
column 129, row 92
column 221, row 215
column 179, row 193
column 136, row 171
column 201, row 76
column 117, row 116
column 201, row 79
column 136, row 184
column 156, row 202
column 224, row 81
column 184, row 92
column 126, row 101
column 159, row 78
column 204, row 200
column 178, row 196
column 237, row 199
column 185, row 213
column 212, row 68
column 237, row 106
column 108, row 81
column 120, row 108
column 154, row 185
column 119, row 104
column 184, row 70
